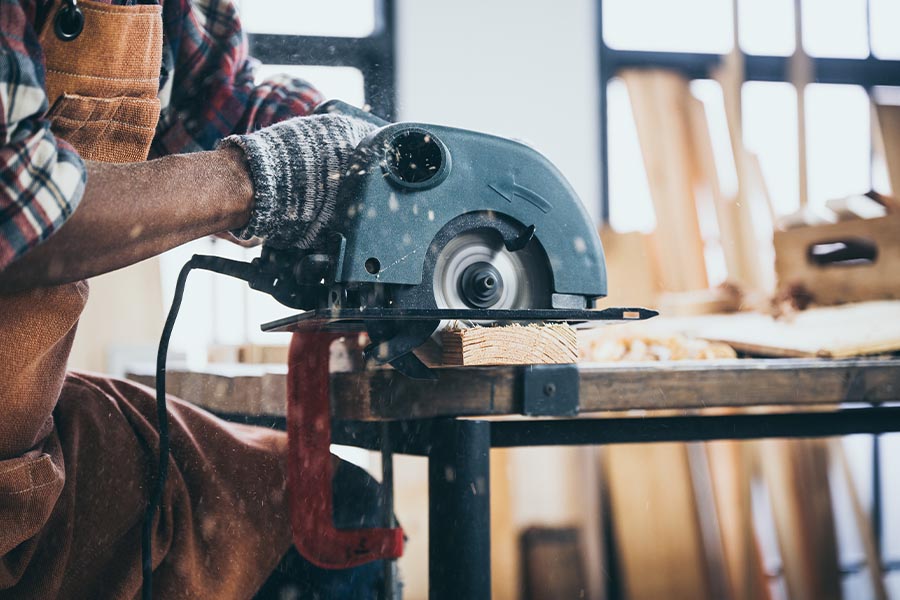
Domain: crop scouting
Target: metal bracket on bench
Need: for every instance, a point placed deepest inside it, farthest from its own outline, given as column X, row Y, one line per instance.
column 550, row 390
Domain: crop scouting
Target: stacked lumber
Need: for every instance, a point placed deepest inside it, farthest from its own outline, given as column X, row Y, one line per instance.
column 796, row 476
column 661, row 103
column 682, row 174
column 680, row 513
column 888, row 117
column 655, row 523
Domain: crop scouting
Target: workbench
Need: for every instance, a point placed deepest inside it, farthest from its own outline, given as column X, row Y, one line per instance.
column 456, row 420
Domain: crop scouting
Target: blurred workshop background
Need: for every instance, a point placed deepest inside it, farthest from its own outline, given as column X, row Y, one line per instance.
column 708, row 138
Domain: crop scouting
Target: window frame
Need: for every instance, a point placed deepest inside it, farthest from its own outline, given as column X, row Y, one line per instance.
column 373, row 55
column 867, row 72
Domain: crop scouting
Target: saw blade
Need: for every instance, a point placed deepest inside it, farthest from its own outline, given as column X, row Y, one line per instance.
column 475, row 270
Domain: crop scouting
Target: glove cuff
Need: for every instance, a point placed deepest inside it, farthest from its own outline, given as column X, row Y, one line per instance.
column 296, row 167
column 265, row 189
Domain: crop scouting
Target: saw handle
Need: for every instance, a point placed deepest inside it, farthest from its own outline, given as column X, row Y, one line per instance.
column 340, row 107
column 310, row 470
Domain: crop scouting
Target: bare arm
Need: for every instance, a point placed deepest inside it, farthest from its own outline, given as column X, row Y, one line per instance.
column 137, row 210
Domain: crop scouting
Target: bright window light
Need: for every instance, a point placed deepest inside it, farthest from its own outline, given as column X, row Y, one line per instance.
column 767, row 27
column 838, row 141
column 344, row 83
column 836, row 28
column 770, row 132
column 685, row 26
column 710, row 93
column 884, row 19
column 339, row 18
column 890, row 533
column 630, row 205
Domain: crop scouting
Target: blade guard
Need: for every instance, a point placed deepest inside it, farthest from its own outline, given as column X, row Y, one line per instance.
column 390, row 213
column 310, row 469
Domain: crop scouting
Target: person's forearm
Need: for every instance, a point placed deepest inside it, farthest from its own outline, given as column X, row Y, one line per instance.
column 137, row 210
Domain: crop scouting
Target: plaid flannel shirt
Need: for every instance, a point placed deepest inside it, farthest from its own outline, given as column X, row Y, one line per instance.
column 207, row 92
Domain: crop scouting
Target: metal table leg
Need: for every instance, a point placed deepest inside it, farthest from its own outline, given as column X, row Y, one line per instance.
column 459, row 510
column 392, row 587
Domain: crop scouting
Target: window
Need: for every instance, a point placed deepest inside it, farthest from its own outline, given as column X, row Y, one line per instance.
column 335, row 18
column 767, row 27
column 686, row 26
column 852, row 47
column 835, row 28
column 883, row 18
column 770, row 132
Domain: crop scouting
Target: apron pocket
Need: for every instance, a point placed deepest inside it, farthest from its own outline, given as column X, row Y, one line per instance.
column 29, row 488
column 106, row 129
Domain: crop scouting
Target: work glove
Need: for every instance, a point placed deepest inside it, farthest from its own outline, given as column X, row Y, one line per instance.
column 296, row 167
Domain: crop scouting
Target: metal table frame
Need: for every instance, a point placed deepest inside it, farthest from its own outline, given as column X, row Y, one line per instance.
column 459, row 466
column 386, row 412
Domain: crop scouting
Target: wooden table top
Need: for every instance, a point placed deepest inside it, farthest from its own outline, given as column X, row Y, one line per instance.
column 384, row 394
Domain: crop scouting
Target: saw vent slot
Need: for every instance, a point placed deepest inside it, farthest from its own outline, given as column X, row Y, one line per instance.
column 843, row 253
column 415, row 157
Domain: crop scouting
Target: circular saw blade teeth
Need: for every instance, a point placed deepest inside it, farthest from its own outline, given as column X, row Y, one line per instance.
column 521, row 276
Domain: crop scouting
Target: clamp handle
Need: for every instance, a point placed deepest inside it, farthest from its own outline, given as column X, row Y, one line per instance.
column 310, row 469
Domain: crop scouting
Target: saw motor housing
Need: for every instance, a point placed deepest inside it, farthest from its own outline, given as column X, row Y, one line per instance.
column 414, row 188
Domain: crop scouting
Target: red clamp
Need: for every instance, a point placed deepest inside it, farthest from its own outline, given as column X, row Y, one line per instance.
column 310, row 468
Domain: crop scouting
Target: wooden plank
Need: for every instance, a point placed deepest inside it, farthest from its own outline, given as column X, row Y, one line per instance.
column 548, row 343
column 727, row 209
column 631, row 265
column 889, row 124
column 655, row 524
column 730, row 473
column 738, row 220
column 796, row 475
column 659, row 101
column 718, row 300
column 801, row 72
column 385, row 394
column 862, row 521
column 699, row 384
column 828, row 332
column 708, row 519
column 552, row 565
column 851, row 208
column 505, row 559
column 733, row 214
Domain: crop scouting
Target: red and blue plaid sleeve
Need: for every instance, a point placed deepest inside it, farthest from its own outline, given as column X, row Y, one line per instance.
column 208, row 89
column 41, row 178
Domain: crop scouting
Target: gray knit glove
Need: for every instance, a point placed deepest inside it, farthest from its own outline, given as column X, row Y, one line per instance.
column 296, row 167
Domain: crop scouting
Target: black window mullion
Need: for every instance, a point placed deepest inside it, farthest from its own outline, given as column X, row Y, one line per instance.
column 866, row 72
column 372, row 55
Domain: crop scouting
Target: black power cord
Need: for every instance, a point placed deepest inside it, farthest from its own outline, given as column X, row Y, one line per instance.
column 233, row 268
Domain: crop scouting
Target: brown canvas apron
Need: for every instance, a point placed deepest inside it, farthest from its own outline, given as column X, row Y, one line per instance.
column 76, row 450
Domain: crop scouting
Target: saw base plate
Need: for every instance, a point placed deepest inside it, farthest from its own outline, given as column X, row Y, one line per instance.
column 354, row 319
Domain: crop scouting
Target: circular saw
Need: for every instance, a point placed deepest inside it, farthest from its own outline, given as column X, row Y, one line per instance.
column 436, row 225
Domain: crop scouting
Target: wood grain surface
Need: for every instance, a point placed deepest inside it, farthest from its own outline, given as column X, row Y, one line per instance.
column 483, row 391
column 544, row 344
